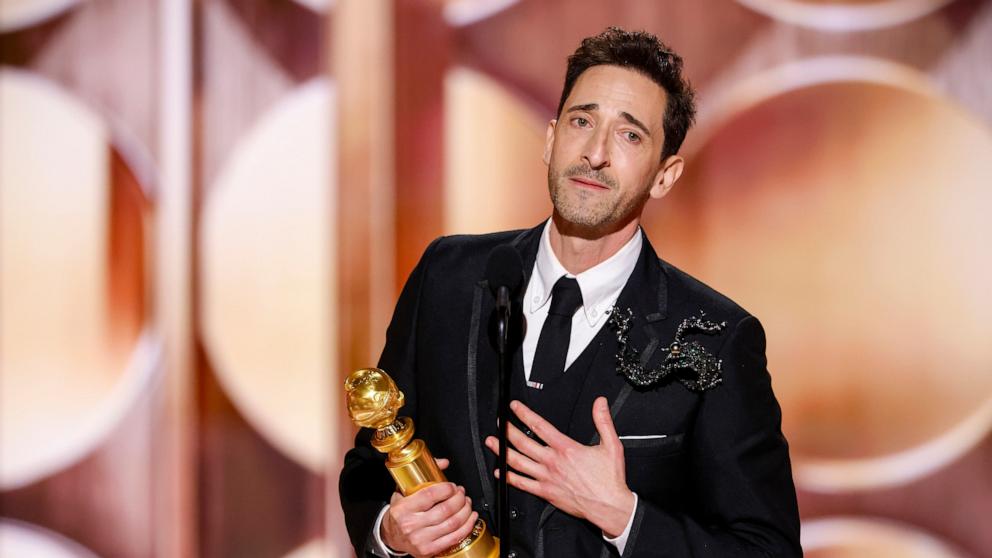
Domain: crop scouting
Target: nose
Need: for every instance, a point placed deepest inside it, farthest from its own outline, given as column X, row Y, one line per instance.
column 597, row 151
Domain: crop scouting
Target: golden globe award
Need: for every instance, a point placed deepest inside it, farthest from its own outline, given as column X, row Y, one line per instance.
column 373, row 401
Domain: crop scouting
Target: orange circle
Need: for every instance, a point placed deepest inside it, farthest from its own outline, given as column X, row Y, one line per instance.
column 848, row 215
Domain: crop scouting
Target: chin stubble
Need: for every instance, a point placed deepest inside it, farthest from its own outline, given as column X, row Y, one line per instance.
column 579, row 213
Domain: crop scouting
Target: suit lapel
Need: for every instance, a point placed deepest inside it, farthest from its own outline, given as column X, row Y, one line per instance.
column 482, row 370
column 646, row 294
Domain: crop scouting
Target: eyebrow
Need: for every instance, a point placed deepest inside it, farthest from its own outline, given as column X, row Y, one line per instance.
column 630, row 118
column 589, row 107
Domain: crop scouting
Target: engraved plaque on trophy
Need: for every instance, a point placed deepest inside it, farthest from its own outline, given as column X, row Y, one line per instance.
column 373, row 401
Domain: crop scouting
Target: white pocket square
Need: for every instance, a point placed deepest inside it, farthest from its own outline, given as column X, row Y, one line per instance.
column 648, row 437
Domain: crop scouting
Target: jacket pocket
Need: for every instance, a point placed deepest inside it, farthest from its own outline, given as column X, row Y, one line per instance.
column 643, row 446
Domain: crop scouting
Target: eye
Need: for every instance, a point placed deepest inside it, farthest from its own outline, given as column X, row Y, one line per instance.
column 580, row 121
column 632, row 137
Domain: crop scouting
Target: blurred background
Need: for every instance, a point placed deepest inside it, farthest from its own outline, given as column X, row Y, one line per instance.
column 209, row 206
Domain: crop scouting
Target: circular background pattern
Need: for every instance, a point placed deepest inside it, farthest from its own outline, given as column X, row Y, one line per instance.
column 487, row 128
column 73, row 357
column 24, row 540
column 466, row 12
column 848, row 213
column 317, row 6
column 851, row 537
column 316, row 548
column 845, row 15
column 267, row 285
column 18, row 14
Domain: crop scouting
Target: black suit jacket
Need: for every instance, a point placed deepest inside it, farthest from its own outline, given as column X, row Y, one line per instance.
column 719, row 483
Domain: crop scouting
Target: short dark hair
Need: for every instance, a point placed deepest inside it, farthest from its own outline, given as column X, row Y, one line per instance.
column 644, row 53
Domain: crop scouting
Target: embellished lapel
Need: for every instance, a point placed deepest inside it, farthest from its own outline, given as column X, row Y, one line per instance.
column 646, row 292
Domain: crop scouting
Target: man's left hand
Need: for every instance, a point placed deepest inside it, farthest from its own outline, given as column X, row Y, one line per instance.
column 588, row 482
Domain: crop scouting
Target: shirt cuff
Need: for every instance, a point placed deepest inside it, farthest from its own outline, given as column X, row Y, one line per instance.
column 379, row 548
column 621, row 540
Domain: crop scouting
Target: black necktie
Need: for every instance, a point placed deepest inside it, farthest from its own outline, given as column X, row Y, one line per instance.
column 552, row 345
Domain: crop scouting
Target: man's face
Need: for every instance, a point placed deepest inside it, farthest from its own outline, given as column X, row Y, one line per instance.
column 604, row 151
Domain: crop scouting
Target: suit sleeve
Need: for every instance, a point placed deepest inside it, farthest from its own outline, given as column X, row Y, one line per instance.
column 364, row 485
column 740, row 470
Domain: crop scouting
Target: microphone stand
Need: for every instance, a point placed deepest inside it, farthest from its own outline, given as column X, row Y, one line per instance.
column 502, row 350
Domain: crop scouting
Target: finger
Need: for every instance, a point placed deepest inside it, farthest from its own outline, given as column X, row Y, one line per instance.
column 518, row 460
column 544, row 429
column 527, row 445
column 427, row 537
column 453, row 515
column 426, row 498
column 442, row 463
column 451, row 539
column 526, row 484
column 604, row 425
column 444, row 510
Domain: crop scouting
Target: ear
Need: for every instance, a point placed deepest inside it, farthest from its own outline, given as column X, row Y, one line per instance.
column 549, row 141
column 667, row 175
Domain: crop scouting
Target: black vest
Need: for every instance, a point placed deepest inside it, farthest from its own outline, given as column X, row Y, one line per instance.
column 556, row 403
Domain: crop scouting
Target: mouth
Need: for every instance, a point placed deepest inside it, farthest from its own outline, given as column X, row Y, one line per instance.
column 588, row 183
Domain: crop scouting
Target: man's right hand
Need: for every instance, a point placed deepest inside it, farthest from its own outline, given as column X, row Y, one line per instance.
column 429, row 521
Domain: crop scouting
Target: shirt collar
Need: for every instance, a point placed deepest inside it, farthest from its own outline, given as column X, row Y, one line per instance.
column 600, row 284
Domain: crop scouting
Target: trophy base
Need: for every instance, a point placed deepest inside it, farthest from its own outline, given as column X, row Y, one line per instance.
column 479, row 544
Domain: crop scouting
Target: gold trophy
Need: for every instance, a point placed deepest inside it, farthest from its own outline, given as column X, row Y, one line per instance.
column 373, row 401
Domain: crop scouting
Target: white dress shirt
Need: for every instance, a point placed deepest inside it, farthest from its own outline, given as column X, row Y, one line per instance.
column 600, row 286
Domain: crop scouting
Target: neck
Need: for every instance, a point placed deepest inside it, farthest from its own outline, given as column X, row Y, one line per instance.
column 577, row 250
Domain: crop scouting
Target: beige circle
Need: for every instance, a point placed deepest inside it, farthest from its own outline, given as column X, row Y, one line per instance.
column 68, row 371
column 852, row 537
column 317, row 6
column 494, row 176
column 848, row 214
column 25, row 540
column 466, row 12
column 845, row 15
column 19, row 14
column 266, row 259
column 316, row 548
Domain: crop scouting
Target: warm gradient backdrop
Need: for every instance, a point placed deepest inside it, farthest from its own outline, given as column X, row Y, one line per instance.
column 207, row 208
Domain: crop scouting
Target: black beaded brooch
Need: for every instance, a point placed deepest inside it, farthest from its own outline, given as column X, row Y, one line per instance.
column 688, row 361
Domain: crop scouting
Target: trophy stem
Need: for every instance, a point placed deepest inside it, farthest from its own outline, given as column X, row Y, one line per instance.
column 413, row 468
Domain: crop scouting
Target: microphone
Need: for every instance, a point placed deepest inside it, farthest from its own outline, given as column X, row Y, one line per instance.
column 505, row 268
column 505, row 274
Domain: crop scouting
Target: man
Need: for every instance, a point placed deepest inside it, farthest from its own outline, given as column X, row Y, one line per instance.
column 646, row 421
